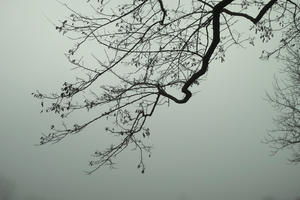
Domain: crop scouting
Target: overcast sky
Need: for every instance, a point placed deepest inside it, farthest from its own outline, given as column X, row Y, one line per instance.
column 208, row 149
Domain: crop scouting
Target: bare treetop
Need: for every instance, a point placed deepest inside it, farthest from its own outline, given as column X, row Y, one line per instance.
column 150, row 54
column 286, row 100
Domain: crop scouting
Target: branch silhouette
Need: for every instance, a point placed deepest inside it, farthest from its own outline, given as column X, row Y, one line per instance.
column 149, row 54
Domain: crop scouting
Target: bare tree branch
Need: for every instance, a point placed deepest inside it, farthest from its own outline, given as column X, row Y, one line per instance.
column 148, row 55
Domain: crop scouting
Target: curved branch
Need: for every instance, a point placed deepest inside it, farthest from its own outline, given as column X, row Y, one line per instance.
column 205, row 61
column 252, row 19
column 163, row 11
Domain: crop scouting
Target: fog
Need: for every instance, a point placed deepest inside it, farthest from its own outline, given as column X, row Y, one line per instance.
column 208, row 149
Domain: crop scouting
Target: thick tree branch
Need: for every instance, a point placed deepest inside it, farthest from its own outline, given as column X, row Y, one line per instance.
column 206, row 58
column 163, row 11
column 255, row 20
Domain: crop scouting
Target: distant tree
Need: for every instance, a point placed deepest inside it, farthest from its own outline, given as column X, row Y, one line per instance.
column 268, row 198
column 286, row 100
column 33, row 197
column 7, row 188
column 151, row 53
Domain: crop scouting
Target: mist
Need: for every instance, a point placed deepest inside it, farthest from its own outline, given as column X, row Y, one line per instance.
column 209, row 148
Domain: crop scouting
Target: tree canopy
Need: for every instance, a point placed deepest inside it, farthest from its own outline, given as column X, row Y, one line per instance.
column 151, row 53
column 7, row 188
column 286, row 100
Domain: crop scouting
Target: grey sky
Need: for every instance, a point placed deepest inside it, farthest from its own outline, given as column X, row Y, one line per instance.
column 209, row 148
